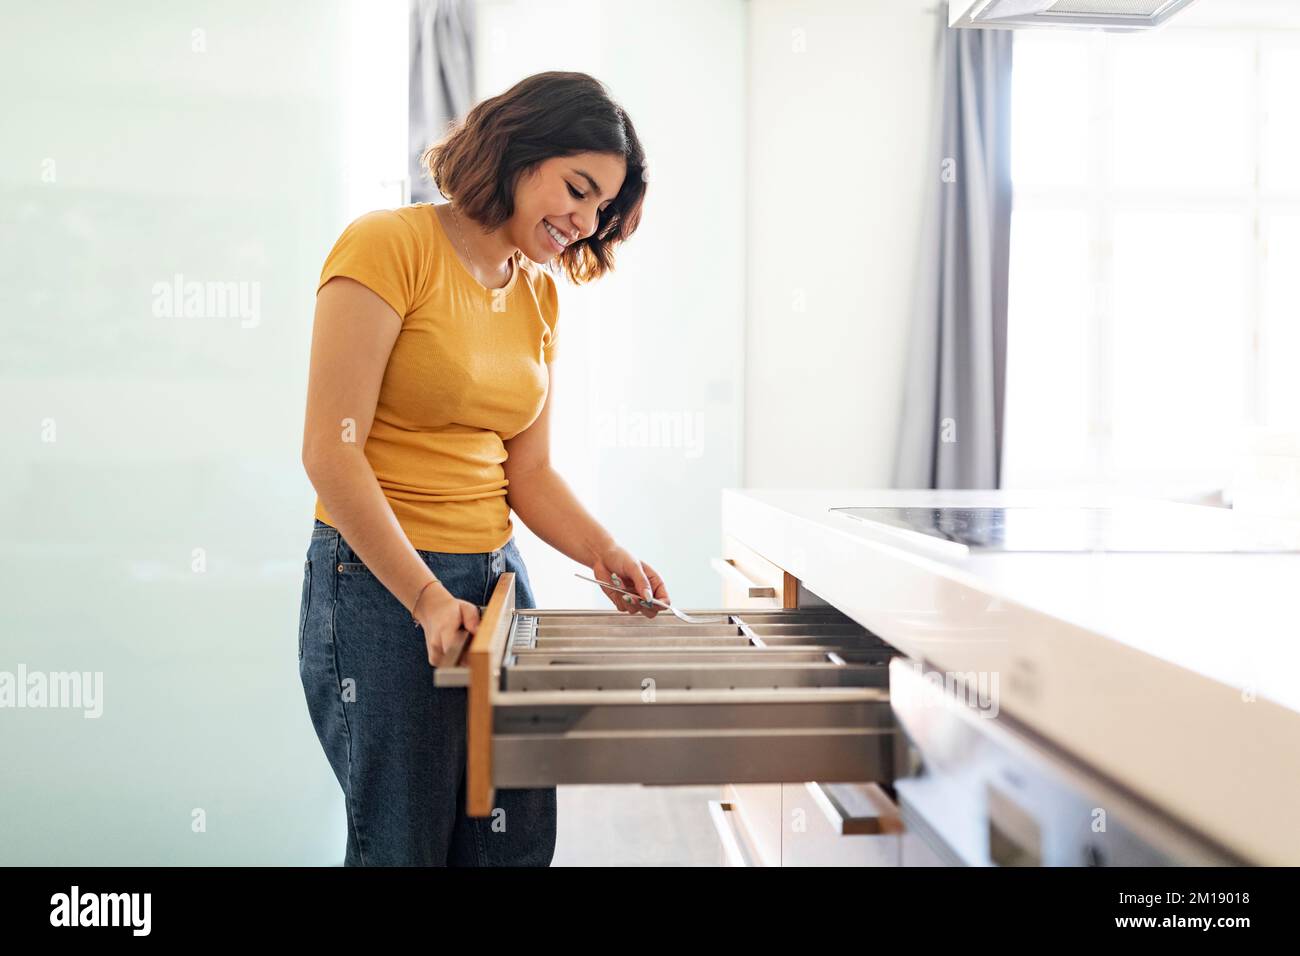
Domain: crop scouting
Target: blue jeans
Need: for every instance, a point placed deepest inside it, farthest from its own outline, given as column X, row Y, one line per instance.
column 395, row 741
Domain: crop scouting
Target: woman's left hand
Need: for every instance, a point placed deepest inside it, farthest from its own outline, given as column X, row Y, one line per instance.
column 635, row 576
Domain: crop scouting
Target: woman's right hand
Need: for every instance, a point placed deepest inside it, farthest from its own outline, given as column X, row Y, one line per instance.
column 447, row 622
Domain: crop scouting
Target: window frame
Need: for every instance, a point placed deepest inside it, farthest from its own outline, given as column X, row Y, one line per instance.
column 1099, row 198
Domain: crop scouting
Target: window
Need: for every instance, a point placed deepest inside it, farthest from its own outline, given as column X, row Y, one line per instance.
column 1155, row 255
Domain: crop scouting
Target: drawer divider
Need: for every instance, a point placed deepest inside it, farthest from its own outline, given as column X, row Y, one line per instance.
column 749, row 633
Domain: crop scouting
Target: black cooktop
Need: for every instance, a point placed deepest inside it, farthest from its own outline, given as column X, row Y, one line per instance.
column 1155, row 529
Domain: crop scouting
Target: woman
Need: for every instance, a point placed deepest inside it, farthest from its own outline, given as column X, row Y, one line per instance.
column 427, row 424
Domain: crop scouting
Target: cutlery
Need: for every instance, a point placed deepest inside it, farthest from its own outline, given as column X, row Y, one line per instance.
column 654, row 602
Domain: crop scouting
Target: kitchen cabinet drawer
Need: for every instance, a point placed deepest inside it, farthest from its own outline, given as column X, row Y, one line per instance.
column 751, row 581
column 736, row 851
column 914, row 851
column 758, row 812
column 758, row 696
column 846, row 824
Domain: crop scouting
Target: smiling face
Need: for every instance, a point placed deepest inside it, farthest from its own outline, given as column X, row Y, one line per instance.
column 560, row 202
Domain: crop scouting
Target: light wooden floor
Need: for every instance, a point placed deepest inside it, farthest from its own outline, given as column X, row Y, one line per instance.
column 636, row 826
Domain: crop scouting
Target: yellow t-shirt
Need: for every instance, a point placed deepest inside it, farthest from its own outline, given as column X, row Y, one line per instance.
column 467, row 372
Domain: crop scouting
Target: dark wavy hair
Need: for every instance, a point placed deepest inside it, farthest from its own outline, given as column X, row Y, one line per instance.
column 480, row 160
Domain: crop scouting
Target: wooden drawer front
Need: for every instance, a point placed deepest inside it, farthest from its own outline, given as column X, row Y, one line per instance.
column 751, row 581
column 756, row 696
column 839, row 825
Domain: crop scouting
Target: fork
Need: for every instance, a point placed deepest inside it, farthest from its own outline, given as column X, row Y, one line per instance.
column 653, row 602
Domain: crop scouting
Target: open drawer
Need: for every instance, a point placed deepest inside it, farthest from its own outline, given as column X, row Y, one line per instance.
column 761, row 696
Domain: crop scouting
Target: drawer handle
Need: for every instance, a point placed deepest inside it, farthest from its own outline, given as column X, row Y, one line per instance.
column 722, row 815
column 857, row 808
column 729, row 571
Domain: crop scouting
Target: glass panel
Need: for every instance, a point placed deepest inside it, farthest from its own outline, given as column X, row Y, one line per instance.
column 1280, row 350
column 1183, row 111
column 1048, row 348
column 1281, row 134
column 1051, row 103
column 1181, row 295
column 170, row 183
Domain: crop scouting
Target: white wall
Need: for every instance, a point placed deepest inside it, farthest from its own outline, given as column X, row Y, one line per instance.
column 774, row 173
column 839, row 121
column 660, row 338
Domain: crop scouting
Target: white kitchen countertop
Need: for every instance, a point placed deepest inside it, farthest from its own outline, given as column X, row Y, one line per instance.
column 1175, row 674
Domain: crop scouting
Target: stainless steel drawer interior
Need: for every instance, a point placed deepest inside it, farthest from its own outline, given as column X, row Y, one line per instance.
column 760, row 696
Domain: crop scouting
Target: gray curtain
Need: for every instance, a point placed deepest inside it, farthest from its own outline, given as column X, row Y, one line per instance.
column 442, row 79
column 950, row 433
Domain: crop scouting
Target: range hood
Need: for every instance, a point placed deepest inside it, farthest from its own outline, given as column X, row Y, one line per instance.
column 1097, row 14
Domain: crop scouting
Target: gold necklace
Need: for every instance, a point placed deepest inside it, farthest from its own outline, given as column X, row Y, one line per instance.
column 461, row 239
